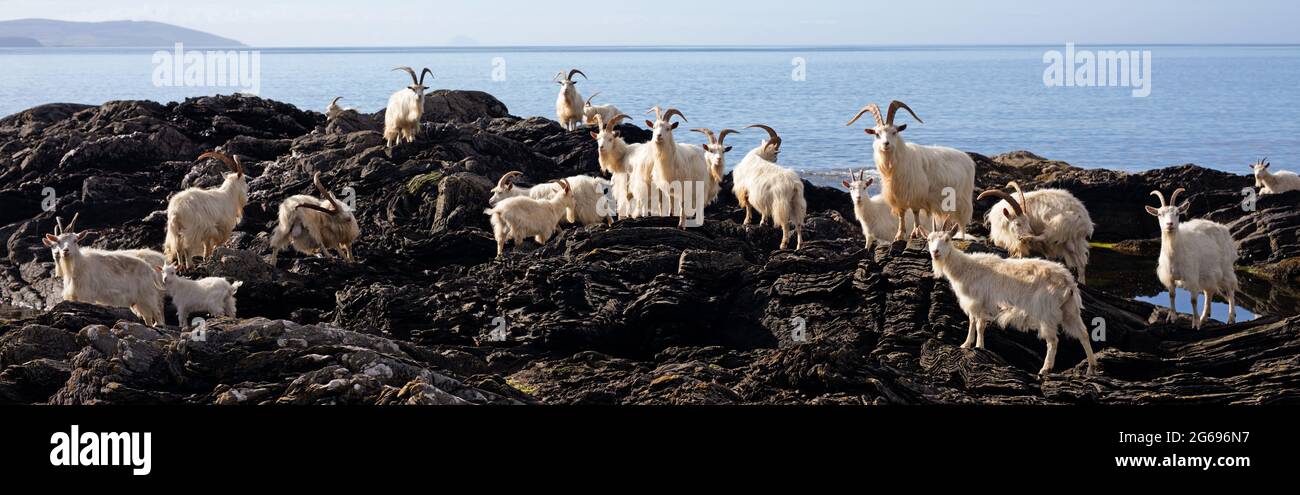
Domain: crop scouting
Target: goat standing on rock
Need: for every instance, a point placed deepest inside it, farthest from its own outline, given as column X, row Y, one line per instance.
column 760, row 184
column 568, row 105
column 199, row 220
column 1197, row 255
column 1051, row 223
column 315, row 225
column 521, row 216
column 402, row 118
column 587, row 193
column 214, row 295
column 110, row 278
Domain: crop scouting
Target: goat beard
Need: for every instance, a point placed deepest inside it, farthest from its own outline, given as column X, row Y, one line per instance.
column 885, row 164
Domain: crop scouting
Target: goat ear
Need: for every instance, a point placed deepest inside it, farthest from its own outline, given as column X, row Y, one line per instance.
column 869, row 131
column 595, row 136
column 618, row 133
column 1187, row 205
column 705, row 146
column 650, row 124
column 902, row 128
column 953, row 231
column 674, row 126
column 846, row 184
column 50, row 240
column 726, row 150
column 1266, row 164
column 1154, row 212
column 870, row 181
column 157, row 268
column 1007, row 213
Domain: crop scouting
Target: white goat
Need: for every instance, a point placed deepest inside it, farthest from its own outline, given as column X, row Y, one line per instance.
column 402, row 118
column 874, row 215
column 587, row 194
column 715, row 152
column 680, row 177
column 1274, row 183
column 594, row 114
column 772, row 190
column 1197, row 255
column 315, row 225
column 1051, row 223
column 917, row 177
column 1025, row 294
column 199, row 220
column 213, row 295
column 568, row 105
column 520, row 217
column 110, row 278
column 333, row 110
column 629, row 166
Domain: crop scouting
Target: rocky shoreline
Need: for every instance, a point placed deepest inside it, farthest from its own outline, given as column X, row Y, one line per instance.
column 636, row 313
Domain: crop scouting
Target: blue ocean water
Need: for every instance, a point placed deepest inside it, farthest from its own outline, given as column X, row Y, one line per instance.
column 1216, row 106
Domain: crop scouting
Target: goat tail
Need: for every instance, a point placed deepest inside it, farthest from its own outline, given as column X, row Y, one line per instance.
column 1072, row 315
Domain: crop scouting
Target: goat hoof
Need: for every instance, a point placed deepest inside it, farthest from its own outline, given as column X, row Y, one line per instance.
column 965, row 346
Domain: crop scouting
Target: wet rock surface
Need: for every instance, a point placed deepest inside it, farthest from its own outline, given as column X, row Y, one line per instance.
column 635, row 313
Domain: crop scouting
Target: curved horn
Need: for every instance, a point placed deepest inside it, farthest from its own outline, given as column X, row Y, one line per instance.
column 232, row 163
column 509, row 178
column 422, row 73
column 614, row 121
column 319, row 208
column 875, row 112
column 409, row 71
column 772, row 137
column 1019, row 192
column 1160, row 195
column 593, row 95
column 893, row 109
column 565, row 184
column 671, row 112
column 1015, row 205
column 325, row 193
column 575, row 71
column 1173, row 198
column 336, row 100
column 723, row 136
column 705, row 131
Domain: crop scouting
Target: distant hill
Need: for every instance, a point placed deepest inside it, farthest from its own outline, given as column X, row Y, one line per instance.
column 51, row 33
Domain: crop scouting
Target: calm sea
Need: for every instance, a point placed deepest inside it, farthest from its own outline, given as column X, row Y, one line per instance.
column 1216, row 106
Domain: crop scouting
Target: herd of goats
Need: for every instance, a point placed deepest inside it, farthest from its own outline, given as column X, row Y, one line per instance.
column 920, row 184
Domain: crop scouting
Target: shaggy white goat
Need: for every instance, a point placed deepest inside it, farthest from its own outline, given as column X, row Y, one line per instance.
column 199, row 220
column 1051, row 223
column 520, row 217
column 1197, row 255
column 874, row 215
column 680, row 177
column 110, row 278
column 568, row 105
column 715, row 152
column 149, row 256
column 587, row 194
column 334, row 110
column 629, row 166
column 594, row 114
column 402, row 118
column 1025, row 294
column 770, row 189
column 936, row 180
column 213, row 295
column 1274, row 183
column 315, row 225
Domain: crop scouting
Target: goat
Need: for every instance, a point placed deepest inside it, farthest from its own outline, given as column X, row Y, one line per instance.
column 315, row 225
column 402, row 118
column 213, row 295
column 1051, row 223
column 770, row 189
column 874, row 215
column 629, row 166
column 680, row 176
column 202, row 219
column 568, row 105
column 593, row 114
column 149, row 256
column 520, row 217
column 587, row 194
column 1197, row 255
column 715, row 151
column 1274, row 183
column 917, row 177
column 109, row 278
column 1025, row 294
column 333, row 110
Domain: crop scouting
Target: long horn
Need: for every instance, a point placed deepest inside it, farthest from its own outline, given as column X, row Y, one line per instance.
column 565, row 184
column 658, row 112
column 723, row 136
column 409, row 71
column 325, row 193
column 593, row 95
column 321, row 209
column 58, row 225
column 772, row 137
column 893, row 109
column 875, row 112
column 1015, row 205
column 575, row 71
column 336, row 100
column 671, row 112
column 705, row 131
column 232, row 163
column 1160, row 195
column 422, row 73
column 614, row 121
column 1019, row 192
column 72, row 226
column 509, row 178
column 1173, row 198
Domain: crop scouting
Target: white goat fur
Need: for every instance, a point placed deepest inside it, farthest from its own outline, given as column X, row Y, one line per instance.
column 1197, row 255
column 874, row 215
column 315, row 225
column 213, row 295
column 199, row 220
column 520, row 217
column 1274, row 182
column 594, row 114
column 110, row 278
column 588, row 192
column 1026, row 294
column 405, row 107
column 629, row 166
column 568, row 104
column 771, row 190
column 1055, row 225
column 678, row 169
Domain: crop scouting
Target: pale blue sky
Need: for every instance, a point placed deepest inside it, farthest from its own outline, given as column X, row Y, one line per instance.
column 678, row 22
